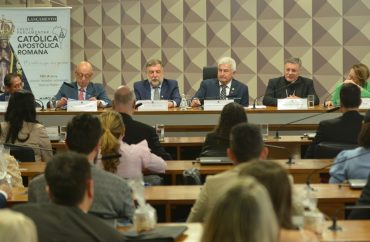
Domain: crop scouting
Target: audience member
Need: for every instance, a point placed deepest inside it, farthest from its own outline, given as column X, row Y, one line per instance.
column 22, row 128
column 83, row 88
column 218, row 140
column 156, row 87
column 242, row 213
column 224, row 86
column 134, row 158
column 344, row 129
column 357, row 166
column 291, row 85
column 112, row 195
column 12, row 84
column 124, row 103
column 358, row 75
column 71, row 189
column 246, row 144
column 16, row 227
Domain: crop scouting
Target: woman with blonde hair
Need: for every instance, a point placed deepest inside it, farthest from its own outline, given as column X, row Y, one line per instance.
column 15, row 226
column 242, row 213
column 134, row 158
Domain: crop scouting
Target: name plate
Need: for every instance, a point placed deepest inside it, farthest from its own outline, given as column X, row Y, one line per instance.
column 153, row 105
column 82, row 106
column 215, row 105
column 365, row 104
column 3, row 106
column 292, row 104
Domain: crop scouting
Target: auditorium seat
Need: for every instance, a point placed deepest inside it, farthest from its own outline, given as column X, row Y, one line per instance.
column 328, row 150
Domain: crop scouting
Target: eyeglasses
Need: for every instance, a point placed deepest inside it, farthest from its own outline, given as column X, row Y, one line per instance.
column 81, row 75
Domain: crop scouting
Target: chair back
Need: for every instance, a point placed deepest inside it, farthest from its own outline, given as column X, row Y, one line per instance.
column 21, row 153
column 210, row 72
column 328, row 150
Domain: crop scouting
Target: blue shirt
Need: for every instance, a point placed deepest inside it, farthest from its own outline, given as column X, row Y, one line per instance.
column 352, row 164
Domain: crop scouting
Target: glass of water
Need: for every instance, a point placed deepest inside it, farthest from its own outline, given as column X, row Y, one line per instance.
column 311, row 101
column 264, row 131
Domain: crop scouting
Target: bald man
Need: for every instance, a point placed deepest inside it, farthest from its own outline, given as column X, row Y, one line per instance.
column 83, row 88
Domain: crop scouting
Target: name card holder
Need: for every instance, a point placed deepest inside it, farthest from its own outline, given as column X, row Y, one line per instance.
column 365, row 104
column 82, row 106
column 292, row 104
column 153, row 105
column 215, row 105
column 3, row 106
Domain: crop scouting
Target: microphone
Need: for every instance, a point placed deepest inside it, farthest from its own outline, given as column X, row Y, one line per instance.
column 301, row 119
column 334, row 226
column 138, row 105
column 290, row 160
column 38, row 101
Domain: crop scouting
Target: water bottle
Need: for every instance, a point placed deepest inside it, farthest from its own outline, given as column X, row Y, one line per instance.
column 183, row 103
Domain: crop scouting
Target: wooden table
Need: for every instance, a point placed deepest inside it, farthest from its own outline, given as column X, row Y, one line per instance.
column 299, row 170
column 31, row 169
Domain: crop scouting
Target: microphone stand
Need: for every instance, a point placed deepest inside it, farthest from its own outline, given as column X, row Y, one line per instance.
column 290, row 159
column 42, row 104
column 334, row 226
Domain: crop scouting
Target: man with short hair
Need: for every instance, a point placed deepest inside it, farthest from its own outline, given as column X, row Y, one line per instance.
column 135, row 131
column 113, row 196
column 345, row 128
column 156, row 87
column 12, row 83
column 246, row 144
column 71, row 189
column 291, row 85
column 223, row 87
column 83, row 88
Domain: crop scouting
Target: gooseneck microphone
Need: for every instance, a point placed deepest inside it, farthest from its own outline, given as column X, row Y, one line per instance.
column 290, row 160
column 38, row 101
column 301, row 119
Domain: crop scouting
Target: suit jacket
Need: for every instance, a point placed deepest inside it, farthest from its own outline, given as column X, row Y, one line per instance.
column 135, row 132
column 343, row 129
column 92, row 90
column 363, row 200
column 2, row 200
column 276, row 89
column 215, row 145
column 169, row 90
column 112, row 195
column 63, row 223
column 210, row 89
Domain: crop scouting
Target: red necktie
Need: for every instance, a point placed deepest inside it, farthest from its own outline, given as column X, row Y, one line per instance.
column 81, row 94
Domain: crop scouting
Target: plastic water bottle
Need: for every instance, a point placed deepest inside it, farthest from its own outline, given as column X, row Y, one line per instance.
column 183, row 103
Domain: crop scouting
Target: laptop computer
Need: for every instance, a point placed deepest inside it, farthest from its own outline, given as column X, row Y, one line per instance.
column 215, row 160
column 357, row 183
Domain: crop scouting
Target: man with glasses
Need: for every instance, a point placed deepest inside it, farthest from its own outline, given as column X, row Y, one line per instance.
column 12, row 84
column 83, row 88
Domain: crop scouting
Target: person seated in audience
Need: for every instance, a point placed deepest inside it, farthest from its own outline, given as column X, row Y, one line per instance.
column 22, row 128
column 353, row 164
column 156, row 87
column 218, row 140
column 112, row 195
column 14, row 226
column 12, row 84
column 358, row 75
column 276, row 181
column 291, row 85
column 246, row 144
column 344, row 129
column 70, row 186
column 243, row 212
column 134, row 158
column 5, row 194
column 83, row 88
column 124, row 103
column 223, row 87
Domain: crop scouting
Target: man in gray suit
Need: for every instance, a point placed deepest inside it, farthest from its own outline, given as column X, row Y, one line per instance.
column 83, row 88
column 112, row 194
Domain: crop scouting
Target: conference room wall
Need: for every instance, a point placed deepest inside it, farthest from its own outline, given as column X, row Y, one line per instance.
column 119, row 36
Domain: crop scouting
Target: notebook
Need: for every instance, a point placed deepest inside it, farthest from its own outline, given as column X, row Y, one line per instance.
column 158, row 234
column 215, row 161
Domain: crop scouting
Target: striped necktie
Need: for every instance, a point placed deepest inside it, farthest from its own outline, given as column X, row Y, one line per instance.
column 223, row 92
column 81, row 94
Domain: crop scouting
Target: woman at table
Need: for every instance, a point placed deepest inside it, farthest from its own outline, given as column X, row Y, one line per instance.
column 242, row 213
column 217, row 141
column 134, row 159
column 354, row 164
column 358, row 75
column 22, row 128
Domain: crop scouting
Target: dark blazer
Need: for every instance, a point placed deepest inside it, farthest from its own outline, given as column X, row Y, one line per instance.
column 63, row 223
column 343, row 129
column 210, row 89
column 136, row 132
column 92, row 90
column 276, row 89
column 363, row 200
column 215, row 145
column 169, row 90
column 2, row 200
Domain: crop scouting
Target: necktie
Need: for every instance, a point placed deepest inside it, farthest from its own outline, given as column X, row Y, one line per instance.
column 81, row 94
column 223, row 92
column 156, row 94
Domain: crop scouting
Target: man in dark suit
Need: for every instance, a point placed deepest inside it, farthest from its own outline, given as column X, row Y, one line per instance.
column 12, row 83
column 5, row 194
column 156, row 87
column 135, row 132
column 291, row 85
column 82, row 88
column 224, row 87
column 345, row 128
column 71, row 190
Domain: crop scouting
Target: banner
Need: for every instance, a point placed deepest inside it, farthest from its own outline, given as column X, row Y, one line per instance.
column 35, row 43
